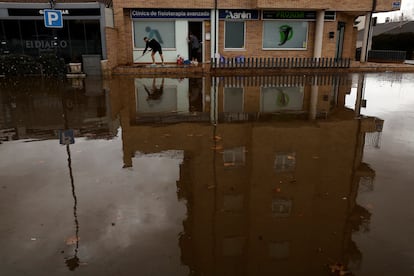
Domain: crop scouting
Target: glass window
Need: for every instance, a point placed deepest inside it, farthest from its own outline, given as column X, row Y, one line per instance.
column 162, row 31
column 234, row 35
column 93, row 37
column 285, row 35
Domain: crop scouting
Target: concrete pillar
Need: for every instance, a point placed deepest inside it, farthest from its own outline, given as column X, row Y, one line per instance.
column 365, row 40
column 317, row 50
column 214, row 32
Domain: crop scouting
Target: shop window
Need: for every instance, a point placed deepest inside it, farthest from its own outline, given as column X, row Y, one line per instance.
column 292, row 35
column 93, row 37
column 234, row 35
column 162, row 31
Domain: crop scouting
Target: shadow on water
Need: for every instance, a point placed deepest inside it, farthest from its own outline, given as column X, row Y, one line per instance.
column 269, row 172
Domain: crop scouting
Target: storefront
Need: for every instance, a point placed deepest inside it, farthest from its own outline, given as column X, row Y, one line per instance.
column 23, row 30
column 171, row 28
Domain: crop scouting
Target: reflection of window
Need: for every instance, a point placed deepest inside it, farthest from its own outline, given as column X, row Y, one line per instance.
column 162, row 31
column 281, row 207
column 234, row 157
column 285, row 161
column 279, row 250
column 285, row 35
column 234, row 34
column 233, row 99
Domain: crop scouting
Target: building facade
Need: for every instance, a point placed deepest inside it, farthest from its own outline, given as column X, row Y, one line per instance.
column 24, row 30
column 246, row 28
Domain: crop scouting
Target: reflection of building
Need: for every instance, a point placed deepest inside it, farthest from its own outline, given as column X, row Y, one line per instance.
column 264, row 196
column 41, row 115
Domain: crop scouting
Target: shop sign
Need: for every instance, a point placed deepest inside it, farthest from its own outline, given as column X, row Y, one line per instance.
column 297, row 15
column 67, row 12
column 170, row 13
column 239, row 14
column 45, row 44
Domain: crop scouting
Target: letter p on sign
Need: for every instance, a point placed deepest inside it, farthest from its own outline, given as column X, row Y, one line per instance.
column 53, row 19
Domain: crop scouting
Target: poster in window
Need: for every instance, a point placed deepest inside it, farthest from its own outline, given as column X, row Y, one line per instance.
column 292, row 35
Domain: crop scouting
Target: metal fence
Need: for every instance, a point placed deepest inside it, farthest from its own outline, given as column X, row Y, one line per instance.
column 274, row 63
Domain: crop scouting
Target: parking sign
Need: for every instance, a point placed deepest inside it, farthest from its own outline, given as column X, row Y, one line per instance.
column 53, row 18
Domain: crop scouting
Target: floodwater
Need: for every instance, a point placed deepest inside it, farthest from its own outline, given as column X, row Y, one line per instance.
column 267, row 175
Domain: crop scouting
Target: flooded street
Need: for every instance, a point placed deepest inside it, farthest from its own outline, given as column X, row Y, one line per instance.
column 266, row 175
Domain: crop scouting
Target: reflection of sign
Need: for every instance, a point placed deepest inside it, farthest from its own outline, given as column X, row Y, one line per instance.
column 295, row 15
column 239, row 14
column 396, row 5
column 53, row 18
column 169, row 13
column 66, row 137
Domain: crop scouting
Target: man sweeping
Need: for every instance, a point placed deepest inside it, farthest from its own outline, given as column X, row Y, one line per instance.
column 156, row 47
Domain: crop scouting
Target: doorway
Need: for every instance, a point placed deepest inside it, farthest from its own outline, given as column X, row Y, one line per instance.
column 196, row 28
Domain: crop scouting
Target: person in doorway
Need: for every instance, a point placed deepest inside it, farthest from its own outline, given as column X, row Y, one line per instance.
column 194, row 47
column 155, row 92
column 155, row 47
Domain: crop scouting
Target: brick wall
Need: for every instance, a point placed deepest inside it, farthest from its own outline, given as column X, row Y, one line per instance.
column 344, row 5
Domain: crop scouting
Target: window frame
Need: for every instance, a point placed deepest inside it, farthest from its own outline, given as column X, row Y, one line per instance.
column 244, row 35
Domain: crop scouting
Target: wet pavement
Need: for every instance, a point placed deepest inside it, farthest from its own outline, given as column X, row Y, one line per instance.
column 262, row 175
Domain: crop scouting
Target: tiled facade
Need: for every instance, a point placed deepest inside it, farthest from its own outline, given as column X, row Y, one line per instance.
column 121, row 49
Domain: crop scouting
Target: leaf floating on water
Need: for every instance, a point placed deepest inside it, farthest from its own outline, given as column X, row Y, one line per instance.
column 339, row 269
column 217, row 138
column 72, row 240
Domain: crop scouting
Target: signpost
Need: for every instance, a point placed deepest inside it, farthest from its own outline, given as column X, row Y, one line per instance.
column 53, row 18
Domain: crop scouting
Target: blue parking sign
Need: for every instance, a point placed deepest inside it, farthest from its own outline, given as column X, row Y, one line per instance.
column 53, row 18
column 66, row 137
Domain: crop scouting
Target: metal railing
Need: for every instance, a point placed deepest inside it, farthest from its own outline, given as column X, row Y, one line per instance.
column 274, row 63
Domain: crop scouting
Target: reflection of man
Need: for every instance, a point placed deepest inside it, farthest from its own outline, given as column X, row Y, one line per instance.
column 155, row 92
column 155, row 46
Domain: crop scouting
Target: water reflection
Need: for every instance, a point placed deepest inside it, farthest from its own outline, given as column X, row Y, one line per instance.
column 37, row 109
column 274, row 178
column 269, row 167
